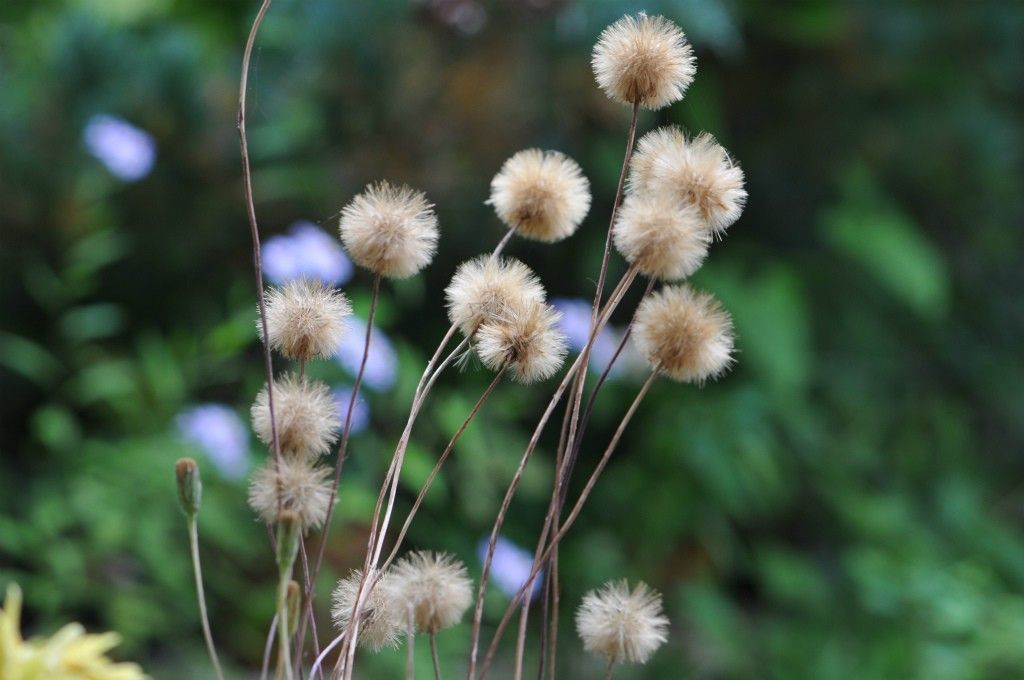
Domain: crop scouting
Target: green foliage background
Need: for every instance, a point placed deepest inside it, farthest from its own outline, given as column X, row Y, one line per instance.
column 847, row 503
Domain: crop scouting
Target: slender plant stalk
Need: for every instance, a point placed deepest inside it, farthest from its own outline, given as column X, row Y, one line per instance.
column 434, row 656
column 610, row 670
column 323, row 655
column 569, row 521
column 284, row 647
column 314, row 637
column 269, row 645
column 613, row 302
column 193, row 541
column 410, row 653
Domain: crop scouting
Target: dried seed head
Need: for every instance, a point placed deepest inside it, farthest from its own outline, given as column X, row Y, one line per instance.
column 526, row 339
column 305, row 490
column 643, row 60
column 305, row 319
column 663, row 238
column 380, row 623
column 307, row 418
column 543, row 195
column 620, row 624
column 697, row 172
column 684, row 334
column 390, row 230
column 434, row 588
column 485, row 287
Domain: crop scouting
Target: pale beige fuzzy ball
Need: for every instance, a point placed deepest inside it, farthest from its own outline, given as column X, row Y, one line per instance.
column 305, row 319
column 684, row 333
column 307, row 417
column 390, row 230
column 644, row 60
column 526, row 339
column 435, row 589
column 380, row 618
column 485, row 287
column 543, row 195
column 305, row 490
column 663, row 238
column 622, row 625
column 697, row 172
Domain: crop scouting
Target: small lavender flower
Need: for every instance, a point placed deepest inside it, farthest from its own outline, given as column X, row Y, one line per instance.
column 575, row 324
column 510, row 566
column 127, row 151
column 220, row 434
column 305, row 251
column 360, row 412
column 381, row 361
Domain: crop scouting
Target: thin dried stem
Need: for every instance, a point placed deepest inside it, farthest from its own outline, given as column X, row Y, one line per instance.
column 410, row 653
column 269, row 645
column 193, row 542
column 434, row 656
column 570, row 520
column 315, row 637
column 323, row 655
column 610, row 670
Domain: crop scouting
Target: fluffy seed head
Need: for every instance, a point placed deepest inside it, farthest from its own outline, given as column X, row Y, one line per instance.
column 380, row 622
column 526, row 338
column 684, row 334
column 305, row 319
column 697, row 172
column 390, row 230
column 542, row 194
column 305, row 490
column 485, row 287
column 663, row 238
column 435, row 589
column 644, row 60
column 620, row 624
column 307, row 418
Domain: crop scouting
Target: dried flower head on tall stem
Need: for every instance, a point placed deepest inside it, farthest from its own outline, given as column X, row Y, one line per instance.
column 665, row 240
column 525, row 338
column 435, row 587
column 304, row 486
column 305, row 413
column 306, row 319
column 621, row 624
column 485, row 288
column 381, row 614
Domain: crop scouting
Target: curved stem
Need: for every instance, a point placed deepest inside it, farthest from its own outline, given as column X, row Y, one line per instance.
column 434, row 656
column 323, row 655
column 193, row 541
column 265, row 668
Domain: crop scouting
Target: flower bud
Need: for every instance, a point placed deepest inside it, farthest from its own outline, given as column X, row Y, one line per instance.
column 289, row 528
column 293, row 598
column 190, row 487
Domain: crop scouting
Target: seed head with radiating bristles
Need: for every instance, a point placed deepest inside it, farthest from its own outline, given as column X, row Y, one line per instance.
column 307, row 417
column 684, row 334
column 485, row 287
column 663, row 238
column 305, row 319
column 390, row 230
column 380, row 618
column 543, row 195
column 698, row 172
column 526, row 339
column 620, row 624
column 305, row 490
column 435, row 588
column 644, row 60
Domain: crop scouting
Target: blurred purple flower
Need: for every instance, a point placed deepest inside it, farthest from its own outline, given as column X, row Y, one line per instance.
column 381, row 362
column 360, row 412
column 575, row 323
column 127, row 151
column 510, row 566
column 306, row 250
column 219, row 433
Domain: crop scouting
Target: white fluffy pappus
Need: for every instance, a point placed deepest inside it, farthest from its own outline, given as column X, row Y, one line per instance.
column 622, row 625
column 684, row 333
column 305, row 319
column 543, row 195
column 663, row 238
column 643, row 60
column 484, row 288
column 380, row 618
column 305, row 490
column 526, row 339
column 307, row 417
column 390, row 230
column 435, row 589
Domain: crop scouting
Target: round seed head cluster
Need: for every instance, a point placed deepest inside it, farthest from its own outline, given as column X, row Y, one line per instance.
column 663, row 239
column 435, row 588
column 390, row 230
column 526, row 339
column 696, row 172
column 543, row 195
column 305, row 489
column 305, row 319
column 307, row 417
column 620, row 624
column 380, row 623
column 484, row 288
column 684, row 334
column 644, row 60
